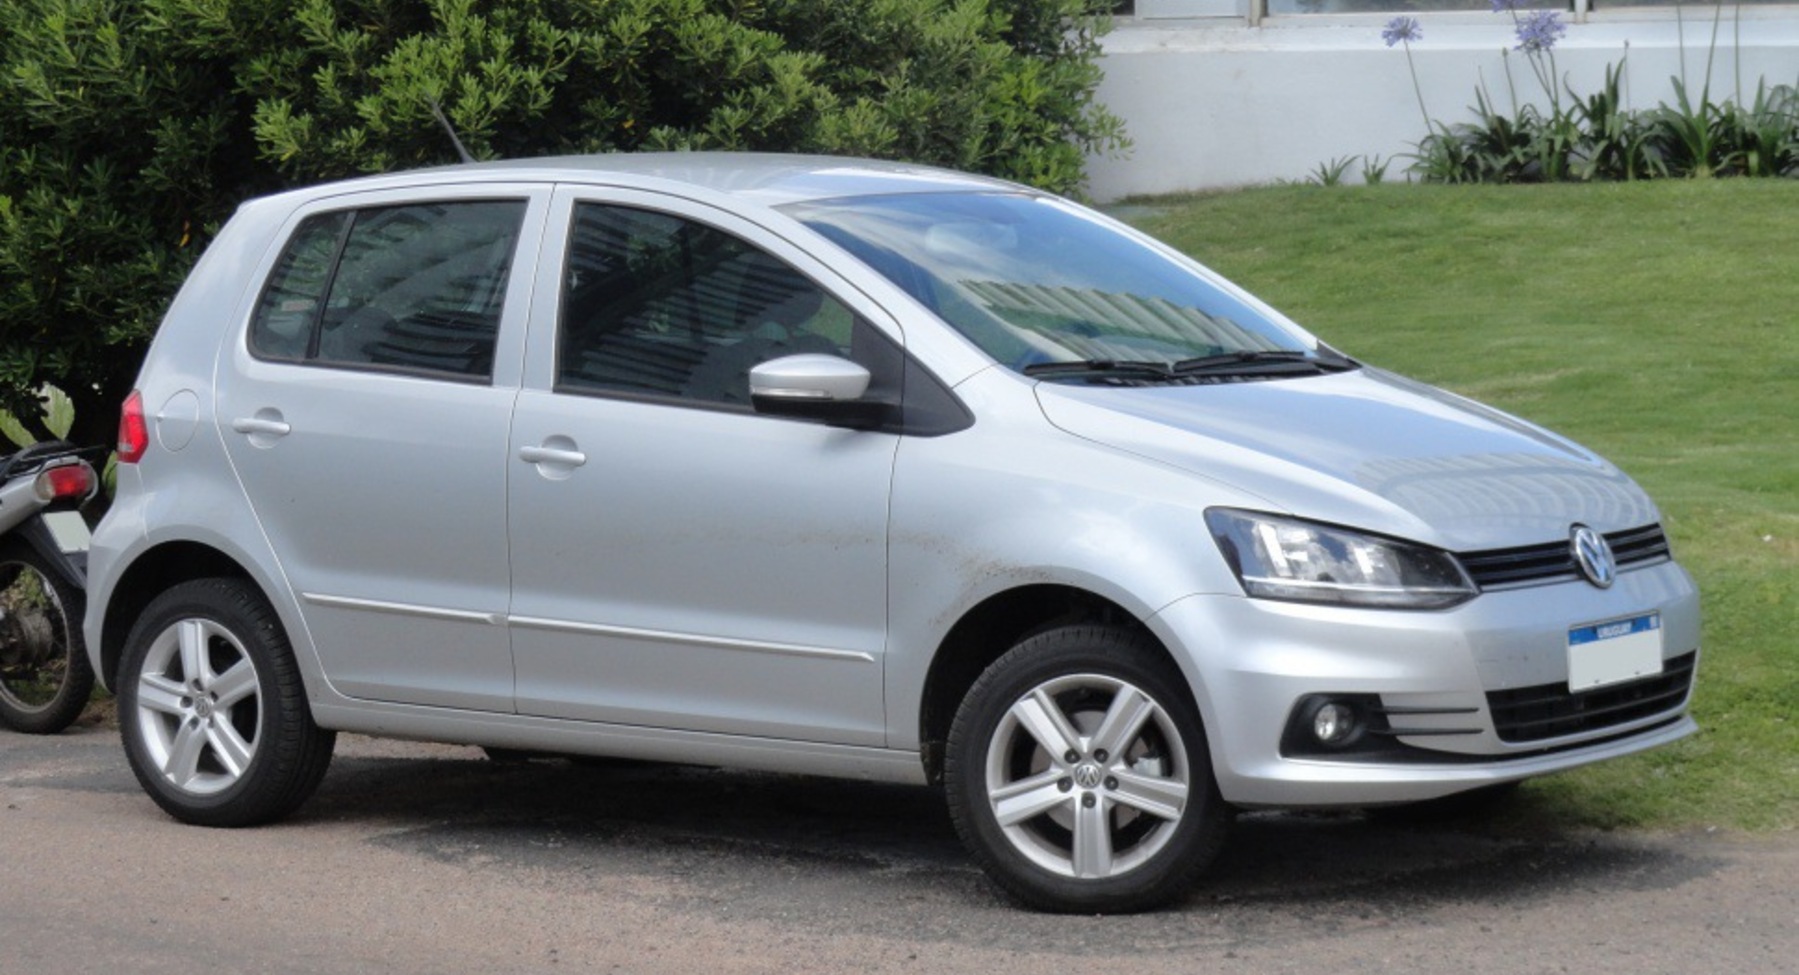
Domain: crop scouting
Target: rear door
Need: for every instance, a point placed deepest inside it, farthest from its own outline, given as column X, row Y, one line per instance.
column 366, row 411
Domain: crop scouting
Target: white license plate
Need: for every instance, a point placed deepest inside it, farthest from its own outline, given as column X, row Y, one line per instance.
column 1615, row 651
column 69, row 529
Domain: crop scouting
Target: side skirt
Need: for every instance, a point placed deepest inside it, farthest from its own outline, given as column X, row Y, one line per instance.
column 529, row 733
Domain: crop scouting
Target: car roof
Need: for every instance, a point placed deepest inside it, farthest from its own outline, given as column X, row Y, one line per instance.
column 768, row 178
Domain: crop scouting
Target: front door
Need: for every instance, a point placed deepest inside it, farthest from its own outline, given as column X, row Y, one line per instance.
column 680, row 561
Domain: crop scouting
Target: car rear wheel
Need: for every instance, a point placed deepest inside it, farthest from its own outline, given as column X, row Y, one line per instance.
column 212, row 710
column 1077, row 774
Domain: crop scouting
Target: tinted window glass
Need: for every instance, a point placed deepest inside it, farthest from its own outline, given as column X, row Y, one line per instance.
column 661, row 306
column 412, row 288
column 289, row 310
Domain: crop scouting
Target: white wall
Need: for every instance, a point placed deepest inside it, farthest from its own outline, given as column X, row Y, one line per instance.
column 1221, row 104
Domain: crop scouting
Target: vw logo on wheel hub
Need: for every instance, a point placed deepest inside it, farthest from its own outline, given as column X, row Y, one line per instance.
column 1593, row 556
column 1088, row 775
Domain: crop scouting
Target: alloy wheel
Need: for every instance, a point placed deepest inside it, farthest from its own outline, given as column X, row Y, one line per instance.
column 199, row 705
column 1087, row 776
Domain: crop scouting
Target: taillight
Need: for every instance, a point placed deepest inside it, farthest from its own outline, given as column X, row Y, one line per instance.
column 67, row 481
column 134, row 433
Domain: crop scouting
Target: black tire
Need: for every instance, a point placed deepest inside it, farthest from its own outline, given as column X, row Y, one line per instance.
column 1098, row 787
column 45, row 677
column 212, row 709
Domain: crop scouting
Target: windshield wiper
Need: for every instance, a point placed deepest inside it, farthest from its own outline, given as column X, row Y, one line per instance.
column 1262, row 361
column 1242, row 362
column 1122, row 368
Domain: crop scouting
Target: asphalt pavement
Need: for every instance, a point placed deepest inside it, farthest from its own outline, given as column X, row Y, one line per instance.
column 417, row 858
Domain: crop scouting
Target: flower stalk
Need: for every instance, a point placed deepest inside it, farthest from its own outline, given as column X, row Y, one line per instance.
column 1405, row 30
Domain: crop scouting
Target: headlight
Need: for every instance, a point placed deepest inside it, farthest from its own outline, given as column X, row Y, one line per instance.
column 1285, row 558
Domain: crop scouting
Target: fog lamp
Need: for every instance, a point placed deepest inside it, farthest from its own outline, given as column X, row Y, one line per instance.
column 1333, row 723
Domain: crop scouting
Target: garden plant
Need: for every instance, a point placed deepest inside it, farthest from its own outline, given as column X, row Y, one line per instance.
column 1570, row 136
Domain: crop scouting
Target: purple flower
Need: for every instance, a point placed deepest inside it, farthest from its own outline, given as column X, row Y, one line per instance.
column 1402, row 29
column 1539, row 30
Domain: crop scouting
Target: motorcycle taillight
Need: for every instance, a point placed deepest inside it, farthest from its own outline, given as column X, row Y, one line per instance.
column 134, row 433
column 67, row 481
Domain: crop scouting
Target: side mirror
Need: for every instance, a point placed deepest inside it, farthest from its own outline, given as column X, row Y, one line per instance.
column 826, row 388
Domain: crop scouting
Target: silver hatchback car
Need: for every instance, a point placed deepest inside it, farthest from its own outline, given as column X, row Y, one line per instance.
column 845, row 468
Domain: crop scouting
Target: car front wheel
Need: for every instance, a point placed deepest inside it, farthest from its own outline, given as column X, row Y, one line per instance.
column 1077, row 774
column 212, row 710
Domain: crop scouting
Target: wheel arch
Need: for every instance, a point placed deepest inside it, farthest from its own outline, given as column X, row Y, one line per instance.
column 153, row 572
column 989, row 629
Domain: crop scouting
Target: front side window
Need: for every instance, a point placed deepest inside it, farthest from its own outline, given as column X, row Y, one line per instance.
column 415, row 289
column 656, row 305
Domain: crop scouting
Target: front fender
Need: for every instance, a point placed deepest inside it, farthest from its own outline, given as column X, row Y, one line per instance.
column 1014, row 502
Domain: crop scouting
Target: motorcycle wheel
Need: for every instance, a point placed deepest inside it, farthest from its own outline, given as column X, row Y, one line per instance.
column 45, row 678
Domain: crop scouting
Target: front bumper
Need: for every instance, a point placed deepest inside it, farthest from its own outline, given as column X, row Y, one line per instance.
column 1252, row 662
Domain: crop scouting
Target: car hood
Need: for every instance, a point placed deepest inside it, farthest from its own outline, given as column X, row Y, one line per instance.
column 1367, row 449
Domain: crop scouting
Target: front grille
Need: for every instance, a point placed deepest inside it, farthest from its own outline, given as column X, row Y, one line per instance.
column 1530, row 565
column 1550, row 711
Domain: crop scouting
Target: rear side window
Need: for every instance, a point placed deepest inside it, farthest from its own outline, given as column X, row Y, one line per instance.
column 414, row 289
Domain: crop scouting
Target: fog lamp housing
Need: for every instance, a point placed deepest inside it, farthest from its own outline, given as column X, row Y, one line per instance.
column 1335, row 725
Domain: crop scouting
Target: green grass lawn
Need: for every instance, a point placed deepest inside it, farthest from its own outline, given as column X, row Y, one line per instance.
column 1657, row 323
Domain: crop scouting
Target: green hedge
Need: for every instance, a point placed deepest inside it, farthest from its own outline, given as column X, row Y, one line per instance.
column 130, row 130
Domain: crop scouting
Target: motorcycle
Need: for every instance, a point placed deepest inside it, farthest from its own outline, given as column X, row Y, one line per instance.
column 45, row 677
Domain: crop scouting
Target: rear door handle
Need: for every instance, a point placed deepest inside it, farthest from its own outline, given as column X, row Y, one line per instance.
column 551, row 455
column 264, row 428
column 257, row 424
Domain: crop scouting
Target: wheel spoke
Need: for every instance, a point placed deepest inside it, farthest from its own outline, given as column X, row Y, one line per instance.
column 184, row 756
column 158, row 693
column 230, row 747
column 1159, row 797
column 1028, row 798
column 236, row 683
column 193, row 650
column 1040, row 716
column 1092, row 840
column 1129, row 710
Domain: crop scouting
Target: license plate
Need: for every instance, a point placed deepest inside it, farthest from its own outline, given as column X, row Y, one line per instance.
column 69, row 529
column 1614, row 652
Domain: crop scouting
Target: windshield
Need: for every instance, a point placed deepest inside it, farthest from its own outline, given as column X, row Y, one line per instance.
column 1034, row 281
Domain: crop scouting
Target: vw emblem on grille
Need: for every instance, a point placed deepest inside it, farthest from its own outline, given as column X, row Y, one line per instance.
column 1593, row 556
